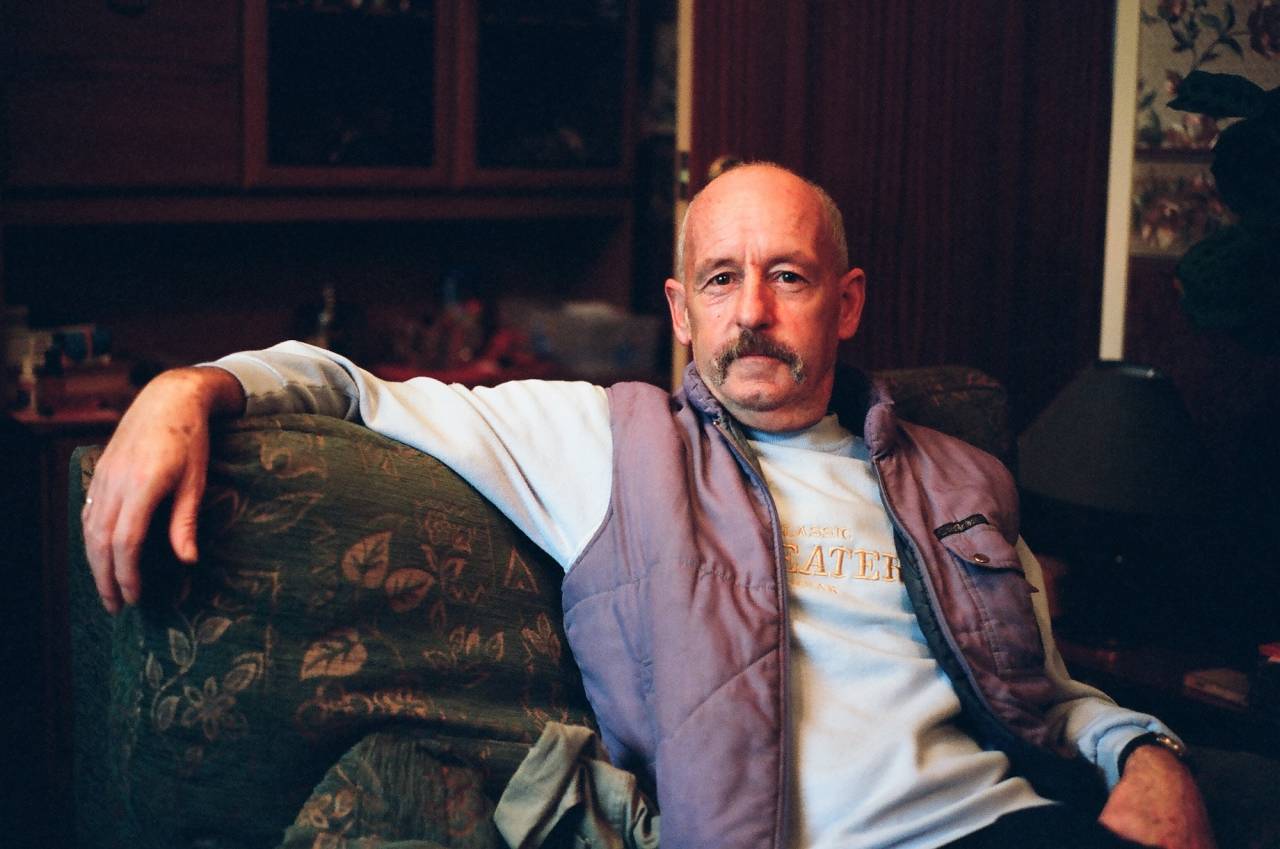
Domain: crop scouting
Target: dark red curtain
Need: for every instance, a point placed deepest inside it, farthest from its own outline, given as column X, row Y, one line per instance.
column 966, row 143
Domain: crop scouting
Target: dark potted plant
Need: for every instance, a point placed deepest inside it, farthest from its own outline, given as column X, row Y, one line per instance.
column 1230, row 280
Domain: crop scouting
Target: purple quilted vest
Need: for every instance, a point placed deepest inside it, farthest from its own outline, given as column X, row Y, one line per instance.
column 676, row 610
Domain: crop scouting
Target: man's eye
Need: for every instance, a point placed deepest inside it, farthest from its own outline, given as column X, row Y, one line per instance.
column 724, row 278
column 789, row 277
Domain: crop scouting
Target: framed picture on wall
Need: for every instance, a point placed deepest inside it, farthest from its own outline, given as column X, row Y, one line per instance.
column 1175, row 205
column 1180, row 36
column 1174, row 200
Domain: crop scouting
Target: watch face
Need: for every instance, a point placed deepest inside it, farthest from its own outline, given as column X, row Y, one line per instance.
column 1171, row 744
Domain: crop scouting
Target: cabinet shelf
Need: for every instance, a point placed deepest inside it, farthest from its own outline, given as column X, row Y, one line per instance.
column 215, row 208
column 375, row 9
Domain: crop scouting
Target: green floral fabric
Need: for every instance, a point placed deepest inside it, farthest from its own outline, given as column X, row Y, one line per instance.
column 397, row 791
column 346, row 582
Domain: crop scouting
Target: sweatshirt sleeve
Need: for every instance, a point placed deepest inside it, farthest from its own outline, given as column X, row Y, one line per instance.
column 1083, row 716
column 541, row 451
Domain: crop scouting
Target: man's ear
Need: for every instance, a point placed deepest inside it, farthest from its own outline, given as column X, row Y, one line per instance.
column 853, row 294
column 679, row 310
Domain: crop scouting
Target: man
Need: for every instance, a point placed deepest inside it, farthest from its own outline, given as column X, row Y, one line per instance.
column 808, row 629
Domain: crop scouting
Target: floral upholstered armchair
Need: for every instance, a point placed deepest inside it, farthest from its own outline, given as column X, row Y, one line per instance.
column 364, row 653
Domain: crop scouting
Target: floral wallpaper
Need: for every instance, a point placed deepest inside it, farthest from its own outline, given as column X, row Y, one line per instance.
column 1181, row 36
column 1175, row 205
column 1175, row 202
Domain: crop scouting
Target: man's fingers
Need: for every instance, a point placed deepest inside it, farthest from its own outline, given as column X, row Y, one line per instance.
column 129, row 530
column 104, row 577
column 186, row 508
column 160, row 449
column 126, row 545
column 95, row 519
column 115, row 527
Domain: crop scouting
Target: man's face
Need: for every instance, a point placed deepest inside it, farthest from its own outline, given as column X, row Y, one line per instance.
column 763, row 303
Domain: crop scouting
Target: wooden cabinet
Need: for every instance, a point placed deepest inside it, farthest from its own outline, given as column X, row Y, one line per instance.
column 291, row 133
column 122, row 93
column 382, row 94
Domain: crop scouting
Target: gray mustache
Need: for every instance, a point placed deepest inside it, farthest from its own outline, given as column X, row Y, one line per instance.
column 751, row 343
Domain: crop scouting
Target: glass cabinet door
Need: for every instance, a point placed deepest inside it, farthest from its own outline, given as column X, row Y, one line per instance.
column 548, row 92
column 465, row 93
column 346, row 91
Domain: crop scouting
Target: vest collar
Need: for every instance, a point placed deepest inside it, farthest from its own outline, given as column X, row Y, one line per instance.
column 863, row 405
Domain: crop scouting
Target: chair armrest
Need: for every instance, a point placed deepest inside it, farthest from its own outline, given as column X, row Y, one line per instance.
column 346, row 583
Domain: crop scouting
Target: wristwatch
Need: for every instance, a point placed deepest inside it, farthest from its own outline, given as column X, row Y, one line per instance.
column 1153, row 738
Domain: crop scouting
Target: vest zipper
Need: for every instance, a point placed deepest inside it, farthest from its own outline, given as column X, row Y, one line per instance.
column 756, row 475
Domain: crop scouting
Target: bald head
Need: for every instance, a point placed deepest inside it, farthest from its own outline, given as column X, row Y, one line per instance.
column 832, row 224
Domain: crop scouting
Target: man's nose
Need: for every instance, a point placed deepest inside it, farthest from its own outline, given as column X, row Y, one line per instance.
column 755, row 303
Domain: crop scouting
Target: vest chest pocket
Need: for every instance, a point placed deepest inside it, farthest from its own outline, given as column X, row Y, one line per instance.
column 991, row 573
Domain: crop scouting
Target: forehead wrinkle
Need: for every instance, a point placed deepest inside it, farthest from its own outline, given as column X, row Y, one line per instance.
column 800, row 257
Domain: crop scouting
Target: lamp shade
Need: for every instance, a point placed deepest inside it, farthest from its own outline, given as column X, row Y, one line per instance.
column 1119, row 439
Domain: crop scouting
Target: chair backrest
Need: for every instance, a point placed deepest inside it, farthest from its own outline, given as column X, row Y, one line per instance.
column 347, row 584
column 957, row 400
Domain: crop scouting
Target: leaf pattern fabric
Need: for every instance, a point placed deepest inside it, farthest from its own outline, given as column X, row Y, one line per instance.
column 346, row 583
column 396, row 790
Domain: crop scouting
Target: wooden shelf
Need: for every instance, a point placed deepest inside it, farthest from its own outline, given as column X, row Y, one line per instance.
column 258, row 208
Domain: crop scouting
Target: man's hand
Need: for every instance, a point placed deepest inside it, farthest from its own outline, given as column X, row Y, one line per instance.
column 1156, row 803
column 159, row 449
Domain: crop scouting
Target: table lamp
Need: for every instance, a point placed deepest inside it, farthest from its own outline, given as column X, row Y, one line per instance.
column 1112, row 461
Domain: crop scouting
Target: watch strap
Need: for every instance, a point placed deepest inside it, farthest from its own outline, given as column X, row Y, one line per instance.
column 1153, row 738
